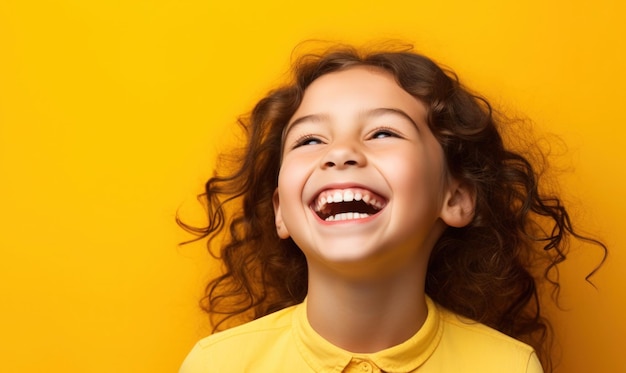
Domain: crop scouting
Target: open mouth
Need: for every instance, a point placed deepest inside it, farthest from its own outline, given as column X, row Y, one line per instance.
column 347, row 204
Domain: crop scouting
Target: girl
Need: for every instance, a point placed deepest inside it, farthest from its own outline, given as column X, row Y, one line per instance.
column 377, row 223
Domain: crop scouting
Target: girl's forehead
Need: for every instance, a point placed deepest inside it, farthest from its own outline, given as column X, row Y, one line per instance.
column 363, row 87
column 358, row 75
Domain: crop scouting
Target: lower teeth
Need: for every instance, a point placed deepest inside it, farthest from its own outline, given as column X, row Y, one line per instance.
column 347, row 216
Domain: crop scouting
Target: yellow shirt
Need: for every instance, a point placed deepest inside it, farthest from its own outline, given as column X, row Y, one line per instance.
column 285, row 342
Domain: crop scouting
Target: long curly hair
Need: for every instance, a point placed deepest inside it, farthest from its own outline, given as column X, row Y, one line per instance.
column 488, row 271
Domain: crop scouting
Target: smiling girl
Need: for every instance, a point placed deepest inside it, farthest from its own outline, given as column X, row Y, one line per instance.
column 377, row 223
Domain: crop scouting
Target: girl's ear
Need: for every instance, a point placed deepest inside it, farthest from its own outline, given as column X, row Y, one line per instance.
column 281, row 229
column 459, row 204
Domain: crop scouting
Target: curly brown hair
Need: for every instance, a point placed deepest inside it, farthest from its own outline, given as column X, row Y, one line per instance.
column 488, row 271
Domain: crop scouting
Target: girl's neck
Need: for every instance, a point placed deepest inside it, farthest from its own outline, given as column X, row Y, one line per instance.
column 365, row 316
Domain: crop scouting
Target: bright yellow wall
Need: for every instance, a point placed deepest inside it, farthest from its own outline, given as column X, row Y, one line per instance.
column 111, row 113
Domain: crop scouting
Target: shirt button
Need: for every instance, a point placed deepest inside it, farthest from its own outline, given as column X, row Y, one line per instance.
column 366, row 367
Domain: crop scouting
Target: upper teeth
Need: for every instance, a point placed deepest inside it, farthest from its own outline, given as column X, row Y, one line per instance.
column 347, row 195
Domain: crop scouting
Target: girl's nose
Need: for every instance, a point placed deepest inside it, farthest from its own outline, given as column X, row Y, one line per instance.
column 340, row 156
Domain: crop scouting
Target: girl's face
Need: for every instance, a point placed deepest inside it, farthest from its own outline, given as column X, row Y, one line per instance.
column 363, row 184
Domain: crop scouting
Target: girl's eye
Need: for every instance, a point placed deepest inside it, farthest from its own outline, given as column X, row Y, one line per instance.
column 382, row 133
column 307, row 140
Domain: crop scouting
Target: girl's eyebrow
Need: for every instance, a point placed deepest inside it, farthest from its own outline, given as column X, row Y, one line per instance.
column 309, row 118
column 306, row 118
column 365, row 114
column 383, row 111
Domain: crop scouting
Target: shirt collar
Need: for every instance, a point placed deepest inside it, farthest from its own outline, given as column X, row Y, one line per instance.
column 322, row 356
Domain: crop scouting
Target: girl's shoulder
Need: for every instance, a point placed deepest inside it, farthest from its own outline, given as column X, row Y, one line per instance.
column 273, row 323
column 457, row 326
column 481, row 345
column 255, row 346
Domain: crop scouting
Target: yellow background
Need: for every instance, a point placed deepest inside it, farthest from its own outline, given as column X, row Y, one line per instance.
column 111, row 113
